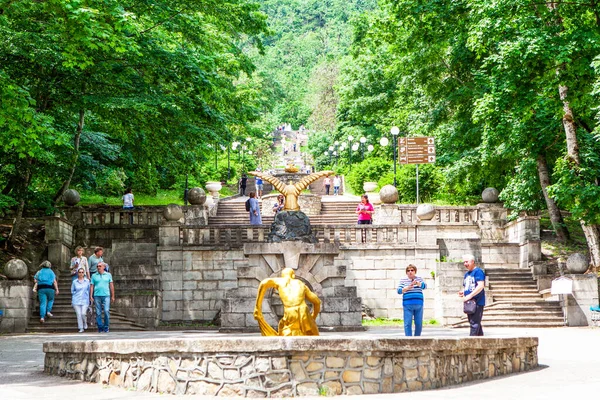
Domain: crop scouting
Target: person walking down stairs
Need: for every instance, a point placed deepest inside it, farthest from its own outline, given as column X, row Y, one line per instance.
column 80, row 291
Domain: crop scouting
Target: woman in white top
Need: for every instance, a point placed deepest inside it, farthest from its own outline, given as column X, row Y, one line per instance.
column 128, row 200
column 80, row 291
column 79, row 261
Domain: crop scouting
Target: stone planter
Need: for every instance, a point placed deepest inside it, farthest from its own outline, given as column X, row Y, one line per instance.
column 213, row 188
column 369, row 187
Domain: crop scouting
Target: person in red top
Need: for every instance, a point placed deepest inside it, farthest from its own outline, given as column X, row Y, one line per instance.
column 365, row 211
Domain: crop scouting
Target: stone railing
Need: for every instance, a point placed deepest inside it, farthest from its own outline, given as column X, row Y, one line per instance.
column 456, row 214
column 289, row 366
column 236, row 236
column 100, row 216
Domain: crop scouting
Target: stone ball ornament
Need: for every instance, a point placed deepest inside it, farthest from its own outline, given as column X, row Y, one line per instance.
column 490, row 195
column 173, row 212
column 71, row 197
column 577, row 263
column 15, row 269
column 425, row 212
column 388, row 194
column 196, row 196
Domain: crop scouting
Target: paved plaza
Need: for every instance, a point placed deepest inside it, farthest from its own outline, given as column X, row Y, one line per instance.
column 569, row 367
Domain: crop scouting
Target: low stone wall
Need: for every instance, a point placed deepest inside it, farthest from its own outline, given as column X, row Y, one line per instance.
column 16, row 298
column 281, row 367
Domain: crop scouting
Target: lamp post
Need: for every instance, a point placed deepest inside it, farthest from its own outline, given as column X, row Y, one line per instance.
column 350, row 139
column 363, row 140
column 335, row 157
column 394, row 131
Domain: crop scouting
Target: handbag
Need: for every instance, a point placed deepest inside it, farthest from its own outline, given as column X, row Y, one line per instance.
column 469, row 307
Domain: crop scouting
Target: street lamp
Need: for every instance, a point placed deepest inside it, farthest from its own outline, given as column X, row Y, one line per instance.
column 350, row 139
column 363, row 140
column 335, row 157
column 394, row 131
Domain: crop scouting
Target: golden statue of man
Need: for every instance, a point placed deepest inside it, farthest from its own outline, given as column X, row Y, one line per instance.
column 291, row 191
column 297, row 319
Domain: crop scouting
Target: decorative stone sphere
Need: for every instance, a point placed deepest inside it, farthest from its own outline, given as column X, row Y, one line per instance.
column 369, row 187
column 490, row 195
column 577, row 263
column 196, row 196
column 71, row 197
column 425, row 212
column 15, row 269
column 388, row 194
column 172, row 212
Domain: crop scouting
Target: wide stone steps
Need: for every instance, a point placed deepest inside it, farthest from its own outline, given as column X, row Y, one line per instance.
column 516, row 302
column 65, row 320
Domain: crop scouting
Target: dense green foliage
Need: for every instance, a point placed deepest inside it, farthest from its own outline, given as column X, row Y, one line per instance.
column 117, row 93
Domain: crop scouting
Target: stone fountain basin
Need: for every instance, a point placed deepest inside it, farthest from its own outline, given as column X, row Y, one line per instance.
column 289, row 366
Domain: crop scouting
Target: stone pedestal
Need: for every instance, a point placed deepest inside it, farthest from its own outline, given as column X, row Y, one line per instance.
column 576, row 306
column 291, row 226
column 59, row 236
column 387, row 214
column 314, row 265
column 492, row 219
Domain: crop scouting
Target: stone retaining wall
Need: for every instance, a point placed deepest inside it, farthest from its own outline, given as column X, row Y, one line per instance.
column 16, row 299
column 281, row 367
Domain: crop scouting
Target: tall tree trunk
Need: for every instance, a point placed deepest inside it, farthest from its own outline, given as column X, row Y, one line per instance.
column 562, row 233
column 21, row 194
column 591, row 231
column 76, row 140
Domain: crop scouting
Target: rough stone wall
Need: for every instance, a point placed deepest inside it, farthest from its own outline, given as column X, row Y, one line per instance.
column 282, row 373
column 194, row 280
column 16, row 301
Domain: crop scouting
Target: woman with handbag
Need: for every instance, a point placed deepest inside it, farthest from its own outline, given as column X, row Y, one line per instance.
column 473, row 294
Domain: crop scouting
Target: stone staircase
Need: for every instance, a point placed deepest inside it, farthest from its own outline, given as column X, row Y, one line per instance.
column 332, row 213
column 65, row 320
column 516, row 302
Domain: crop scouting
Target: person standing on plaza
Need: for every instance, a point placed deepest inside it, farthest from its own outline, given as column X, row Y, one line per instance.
column 365, row 211
column 102, row 292
column 95, row 259
column 79, row 261
column 243, row 182
column 411, row 288
column 474, row 289
column 336, row 185
column 254, row 210
column 327, row 185
column 259, row 186
column 46, row 287
column 80, row 300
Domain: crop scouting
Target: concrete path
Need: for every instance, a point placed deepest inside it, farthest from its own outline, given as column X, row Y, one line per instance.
column 569, row 368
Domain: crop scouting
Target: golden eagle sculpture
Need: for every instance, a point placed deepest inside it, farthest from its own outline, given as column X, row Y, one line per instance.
column 291, row 191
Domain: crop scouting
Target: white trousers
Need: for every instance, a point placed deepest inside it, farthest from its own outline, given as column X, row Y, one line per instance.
column 81, row 312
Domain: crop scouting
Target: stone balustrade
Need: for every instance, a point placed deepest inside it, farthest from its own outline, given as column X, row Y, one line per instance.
column 236, row 236
column 286, row 366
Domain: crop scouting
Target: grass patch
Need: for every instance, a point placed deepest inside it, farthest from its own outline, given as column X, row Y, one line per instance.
column 393, row 322
column 554, row 249
column 161, row 198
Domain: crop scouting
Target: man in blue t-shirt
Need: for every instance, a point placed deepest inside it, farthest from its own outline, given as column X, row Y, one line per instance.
column 473, row 289
column 102, row 292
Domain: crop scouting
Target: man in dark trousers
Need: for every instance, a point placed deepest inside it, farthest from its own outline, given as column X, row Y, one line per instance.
column 473, row 289
column 243, row 181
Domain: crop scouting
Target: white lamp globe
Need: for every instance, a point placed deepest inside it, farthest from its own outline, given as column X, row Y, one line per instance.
column 384, row 141
column 395, row 130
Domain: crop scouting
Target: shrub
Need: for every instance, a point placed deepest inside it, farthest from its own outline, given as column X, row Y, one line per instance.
column 111, row 182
